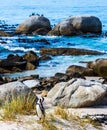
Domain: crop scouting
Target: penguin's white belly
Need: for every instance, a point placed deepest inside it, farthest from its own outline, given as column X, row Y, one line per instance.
column 39, row 112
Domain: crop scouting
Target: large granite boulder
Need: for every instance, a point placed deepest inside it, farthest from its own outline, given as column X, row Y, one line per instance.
column 77, row 25
column 34, row 24
column 12, row 90
column 78, row 93
column 99, row 67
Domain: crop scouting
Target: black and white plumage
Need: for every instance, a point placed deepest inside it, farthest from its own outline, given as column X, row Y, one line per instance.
column 40, row 109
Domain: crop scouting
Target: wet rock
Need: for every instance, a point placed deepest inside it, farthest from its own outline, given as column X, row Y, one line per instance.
column 5, row 63
column 12, row 61
column 45, row 57
column 48, row 83
column 31, row 57
column 20, row 40
column 83, row 71
column 67, row 51
column 16, row 63
column 40, row 31
column 78, row 93
column 2, row 70
column 53, row 80
column 61, row 76
column 15, row 69
column 43, row 41
column 4, row 34
column 30, row 66
column 45, row 84
column 3, row 42
column 14, row 58
column 88, row 72
column 77, row 25
column 75, row 68
column 34, row 24
column 99, row 67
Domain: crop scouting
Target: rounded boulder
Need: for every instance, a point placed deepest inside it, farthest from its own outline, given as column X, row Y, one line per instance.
column 78, row 25
column 32, row 24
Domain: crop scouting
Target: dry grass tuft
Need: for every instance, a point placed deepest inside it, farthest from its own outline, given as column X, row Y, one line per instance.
column 19, row 105
column 84, row 121
column 47, row 125
column 62, row 113
column 95, row 124
column 48, row 122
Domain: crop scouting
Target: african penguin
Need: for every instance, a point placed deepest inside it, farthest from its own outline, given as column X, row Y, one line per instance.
column 40, row 109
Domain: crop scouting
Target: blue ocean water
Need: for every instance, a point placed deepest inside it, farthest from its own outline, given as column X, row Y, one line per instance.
column 16, row 11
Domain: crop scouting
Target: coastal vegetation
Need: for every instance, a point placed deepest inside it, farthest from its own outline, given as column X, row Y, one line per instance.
column 20, row 105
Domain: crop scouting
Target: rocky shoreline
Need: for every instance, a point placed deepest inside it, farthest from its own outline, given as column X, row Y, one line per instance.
column 78, row 87
column 40, row 25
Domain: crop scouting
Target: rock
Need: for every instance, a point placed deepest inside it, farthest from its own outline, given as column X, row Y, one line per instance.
column 83, row 71
column 31, row 57
column 12, row 90
column 88, row 72
column 13, row 62
column 30, row 66
column 45, row 57
column 77, row 25
column 44, row 41
column 15, row 69
column 75, row 68
column 31, row 83
column 15, row 58
column 67, row 51
column 52, row 93
column 3, row 42
column 61, row 76
column 48, row 83
column 16, row 63
column 21, row 79
column 7, row 79
column 5, row 63
column 2, row 70
column 4, row 34
column 78, row 93
column 75, row 75
column 99, row 67
column 34, row 24
column 40, row 31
